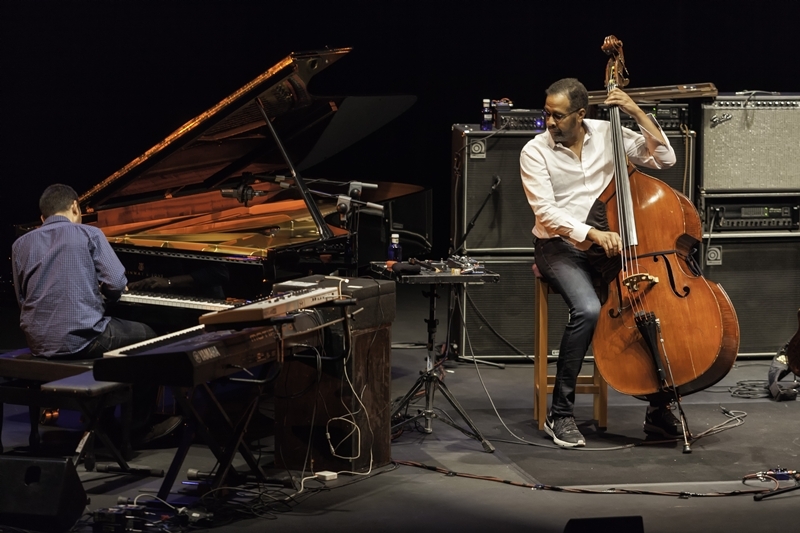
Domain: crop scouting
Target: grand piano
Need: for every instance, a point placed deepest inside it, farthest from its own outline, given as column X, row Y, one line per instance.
column 222, row 199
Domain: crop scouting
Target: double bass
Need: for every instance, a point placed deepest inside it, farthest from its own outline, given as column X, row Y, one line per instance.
column 663, row 327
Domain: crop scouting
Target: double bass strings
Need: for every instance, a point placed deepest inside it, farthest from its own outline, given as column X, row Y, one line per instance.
column 627, row 223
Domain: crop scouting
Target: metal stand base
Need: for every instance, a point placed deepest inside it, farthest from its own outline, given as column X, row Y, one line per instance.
column 431, row 381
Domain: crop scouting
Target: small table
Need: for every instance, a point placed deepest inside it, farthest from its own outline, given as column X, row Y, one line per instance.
column 440, row 274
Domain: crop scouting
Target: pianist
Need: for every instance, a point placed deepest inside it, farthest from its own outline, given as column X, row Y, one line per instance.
column 64, row 272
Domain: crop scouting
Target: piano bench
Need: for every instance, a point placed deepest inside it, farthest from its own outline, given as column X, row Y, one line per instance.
column 74, row 391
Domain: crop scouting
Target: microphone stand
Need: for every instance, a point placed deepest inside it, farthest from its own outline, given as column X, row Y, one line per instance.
column 471, row 223
column 349, row 209
column 454, row 289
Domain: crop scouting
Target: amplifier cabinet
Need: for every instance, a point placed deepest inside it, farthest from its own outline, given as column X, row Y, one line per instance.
column 479, row 157
column 495, row 320
column 505, row 223
column 762, row 278
column 679, row 176
column 747, row 144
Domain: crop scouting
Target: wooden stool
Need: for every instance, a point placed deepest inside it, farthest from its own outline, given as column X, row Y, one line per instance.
column 542, row 383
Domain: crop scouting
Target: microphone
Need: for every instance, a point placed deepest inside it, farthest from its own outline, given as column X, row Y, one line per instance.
column 496, row 183
column 247, row 192
column 426, row 264
column 374, row 207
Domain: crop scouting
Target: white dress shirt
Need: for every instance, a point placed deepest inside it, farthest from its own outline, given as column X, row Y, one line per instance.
column 562, row 188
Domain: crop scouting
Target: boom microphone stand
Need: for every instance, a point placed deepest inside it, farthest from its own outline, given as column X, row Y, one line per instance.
column 454, row 290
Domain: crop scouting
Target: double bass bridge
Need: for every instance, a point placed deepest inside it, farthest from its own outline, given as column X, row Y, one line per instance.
column 632, row 282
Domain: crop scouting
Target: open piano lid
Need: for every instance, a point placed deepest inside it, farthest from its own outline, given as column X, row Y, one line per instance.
column 170, row 196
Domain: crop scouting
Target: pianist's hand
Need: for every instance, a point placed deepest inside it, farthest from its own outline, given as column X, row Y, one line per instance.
column 149, row 284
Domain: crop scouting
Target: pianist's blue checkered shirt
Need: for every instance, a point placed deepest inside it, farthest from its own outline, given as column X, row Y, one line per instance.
column 58, row 269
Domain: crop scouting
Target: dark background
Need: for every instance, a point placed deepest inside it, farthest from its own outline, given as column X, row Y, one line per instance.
column 88, row 86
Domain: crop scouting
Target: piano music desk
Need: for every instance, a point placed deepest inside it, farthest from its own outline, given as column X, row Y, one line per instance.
column 69, row 385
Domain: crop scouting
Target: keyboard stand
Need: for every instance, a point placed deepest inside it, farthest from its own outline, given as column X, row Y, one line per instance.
column 224, row 438
column 224, row 449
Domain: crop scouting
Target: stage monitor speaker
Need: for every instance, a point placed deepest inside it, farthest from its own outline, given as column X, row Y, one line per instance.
column 498, row 317
column 40, row 494
column 744, row 144
column 504, row 225
column 762, row 278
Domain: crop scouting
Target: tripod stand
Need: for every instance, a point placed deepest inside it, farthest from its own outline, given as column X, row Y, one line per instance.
column 430, row 380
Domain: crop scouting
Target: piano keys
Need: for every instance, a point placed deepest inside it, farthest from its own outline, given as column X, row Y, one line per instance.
column 169, row 300
column 195, row 355
column 270, row 307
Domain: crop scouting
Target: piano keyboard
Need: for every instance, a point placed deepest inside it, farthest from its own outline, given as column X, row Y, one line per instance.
column 274, row 306
column 156, row 342
column 186, row 302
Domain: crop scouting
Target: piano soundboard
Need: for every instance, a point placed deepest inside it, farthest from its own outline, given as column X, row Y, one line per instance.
column 272, row 306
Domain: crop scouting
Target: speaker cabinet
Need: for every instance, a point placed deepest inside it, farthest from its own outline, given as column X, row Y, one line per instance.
column 498, row 317
column 762, row 278
column 333, row 414
column 679, row 176
column 745, row 141
column 505, row 223
column 40, row 494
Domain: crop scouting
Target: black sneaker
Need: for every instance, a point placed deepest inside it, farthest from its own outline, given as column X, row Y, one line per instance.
column 662, row 422
column 564, row 432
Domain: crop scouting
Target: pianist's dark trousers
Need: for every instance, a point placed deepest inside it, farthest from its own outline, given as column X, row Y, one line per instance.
column 119, row 333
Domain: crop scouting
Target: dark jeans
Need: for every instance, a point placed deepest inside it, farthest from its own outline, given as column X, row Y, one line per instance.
column 118, row 333
column 568, row 271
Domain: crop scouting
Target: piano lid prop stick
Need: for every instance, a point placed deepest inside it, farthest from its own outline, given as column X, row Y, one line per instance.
column 325, row 231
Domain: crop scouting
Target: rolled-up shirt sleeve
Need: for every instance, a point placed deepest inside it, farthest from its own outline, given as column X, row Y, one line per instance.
column 646, row 150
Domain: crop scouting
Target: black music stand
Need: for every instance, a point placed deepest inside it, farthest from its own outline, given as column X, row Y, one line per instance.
column 429, row 379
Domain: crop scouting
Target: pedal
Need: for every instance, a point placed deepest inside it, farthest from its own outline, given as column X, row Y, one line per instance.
column 48, row 417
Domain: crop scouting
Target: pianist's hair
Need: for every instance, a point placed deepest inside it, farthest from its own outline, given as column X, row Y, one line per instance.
column 56, row 198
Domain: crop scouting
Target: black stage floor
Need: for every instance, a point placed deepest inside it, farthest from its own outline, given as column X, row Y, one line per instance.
column 527, row 483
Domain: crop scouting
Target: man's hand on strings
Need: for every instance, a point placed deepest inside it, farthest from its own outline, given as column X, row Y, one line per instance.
column 620, row 98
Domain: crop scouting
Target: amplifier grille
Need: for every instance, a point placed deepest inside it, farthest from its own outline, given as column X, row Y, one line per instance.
column 751, row 148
